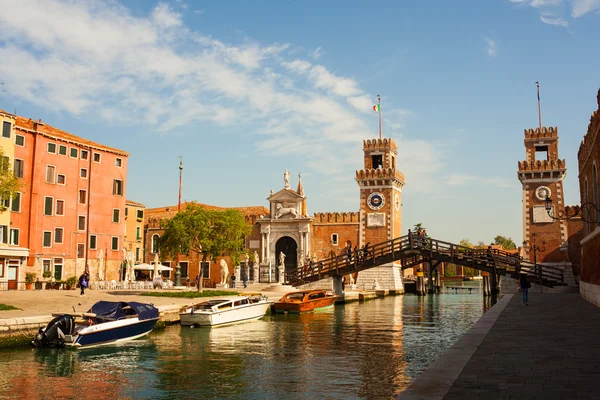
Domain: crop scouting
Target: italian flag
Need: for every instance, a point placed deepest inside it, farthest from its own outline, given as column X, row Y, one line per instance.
column 376, row 108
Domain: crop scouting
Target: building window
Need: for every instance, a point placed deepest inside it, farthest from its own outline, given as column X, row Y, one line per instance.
column 81, row 223
column 73, row 152
column 14, row 237
column 116, row 215
column 62, row 150
column 118, row 187
column 82, row 196
column 16, row 203
column 184, row 268
column 18, row 168
column 60, row 207
column 3, row 234
column 20, row 140
column 155, row 244
column 6, row 129
column 205, row 267
column 80, row 250
column 93, row 241
column 47, row 239
column 58, row 267
column 115, row 243
column 126, row 211
column 52, row 148
column 83, row 173
column 46, row 267
column 96, row 157
column 48, row 202
column 58, row 235
column 61, row 179
column 6, row 202
column 140, row 214
column 595, row 192
column 50, row 174
column 137, row 254
column 334, row 239
column 84, row 154
column 118, row 162
column 138, row 233
column 1, row 268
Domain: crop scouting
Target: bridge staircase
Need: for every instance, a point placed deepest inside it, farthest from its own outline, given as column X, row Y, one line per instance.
column 411, row 251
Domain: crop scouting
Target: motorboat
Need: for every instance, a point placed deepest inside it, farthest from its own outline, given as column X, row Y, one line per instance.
column 218, row 312
column 107, row 322
column 305, row 301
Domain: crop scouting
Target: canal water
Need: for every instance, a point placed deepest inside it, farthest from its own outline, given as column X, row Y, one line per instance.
column 370, row 350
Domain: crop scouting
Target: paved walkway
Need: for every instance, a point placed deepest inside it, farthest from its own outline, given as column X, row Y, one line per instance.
column 547, row 350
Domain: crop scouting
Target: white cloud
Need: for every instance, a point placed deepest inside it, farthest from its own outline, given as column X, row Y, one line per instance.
column 582, row 7
column 97, row 60
column 491, row 47
column 553, row 11
column 554, row 21
column 316, row 53
column 467, row 180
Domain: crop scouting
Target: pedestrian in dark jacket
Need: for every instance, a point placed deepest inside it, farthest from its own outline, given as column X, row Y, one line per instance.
column 524, row 286
column 84, row 281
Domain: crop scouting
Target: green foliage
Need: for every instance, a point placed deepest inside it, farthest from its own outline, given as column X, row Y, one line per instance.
column 508, row 243
column 71, row 281
column 210, row 232
column 418, row 226
column 469, row 272
column 9, row 183
column 47, row 274
column 481, row 245
column 30, row 277
column 6, row 307
column 191, row 295
column 466, row 242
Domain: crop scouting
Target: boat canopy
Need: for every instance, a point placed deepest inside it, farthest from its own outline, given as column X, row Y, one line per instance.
column 120, row 309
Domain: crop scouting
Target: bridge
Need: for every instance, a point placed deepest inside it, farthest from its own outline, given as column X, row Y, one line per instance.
column 412, row 251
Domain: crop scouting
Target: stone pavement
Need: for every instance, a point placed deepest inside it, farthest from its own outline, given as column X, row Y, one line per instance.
column 547, row 350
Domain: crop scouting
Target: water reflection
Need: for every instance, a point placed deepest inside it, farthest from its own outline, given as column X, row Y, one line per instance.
column 369, row 350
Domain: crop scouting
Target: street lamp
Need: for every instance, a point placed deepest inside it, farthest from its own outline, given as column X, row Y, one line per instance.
column 535, row 247
column 588, row 212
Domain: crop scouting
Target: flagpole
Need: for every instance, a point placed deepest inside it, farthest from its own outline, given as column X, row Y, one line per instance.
column 539, row 106
column 379, row 108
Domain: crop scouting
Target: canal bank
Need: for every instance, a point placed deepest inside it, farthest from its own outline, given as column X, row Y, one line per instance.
column 548, row 349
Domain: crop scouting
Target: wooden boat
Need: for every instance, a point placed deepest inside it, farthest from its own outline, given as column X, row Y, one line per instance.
column 107, row 322
column 305, row 301
column 219, row 312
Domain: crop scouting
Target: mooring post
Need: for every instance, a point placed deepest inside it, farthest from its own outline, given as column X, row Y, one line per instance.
column 494, row 279
column 338, row 287
column 429, row 278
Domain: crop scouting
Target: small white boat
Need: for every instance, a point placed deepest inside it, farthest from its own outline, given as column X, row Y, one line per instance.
column 218, row 312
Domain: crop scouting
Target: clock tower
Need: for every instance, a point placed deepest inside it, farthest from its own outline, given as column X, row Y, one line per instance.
column 380, row 185
column 542, row 175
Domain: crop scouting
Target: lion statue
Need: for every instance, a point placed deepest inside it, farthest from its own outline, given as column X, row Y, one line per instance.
column 224, row 271
column 281, row 211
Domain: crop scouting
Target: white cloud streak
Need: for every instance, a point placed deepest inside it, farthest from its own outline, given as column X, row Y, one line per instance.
column 553, row 11
column 490, row 47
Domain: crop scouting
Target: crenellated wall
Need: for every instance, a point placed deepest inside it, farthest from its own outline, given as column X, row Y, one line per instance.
column 586, row 148
column 380, row 144
column 336, row 217
column 544, row 133
column 542, row 165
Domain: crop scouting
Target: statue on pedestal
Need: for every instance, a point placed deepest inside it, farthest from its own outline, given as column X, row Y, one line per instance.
column 256, row 258
column 224, row 271
column 286, row 179
column 281, row 259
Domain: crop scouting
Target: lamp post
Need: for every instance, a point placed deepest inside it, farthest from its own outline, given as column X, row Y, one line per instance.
column 588, row 212
column 535, row 247
column 178, row 267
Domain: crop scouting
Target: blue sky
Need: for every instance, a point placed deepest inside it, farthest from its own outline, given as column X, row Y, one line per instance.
column 245, row 89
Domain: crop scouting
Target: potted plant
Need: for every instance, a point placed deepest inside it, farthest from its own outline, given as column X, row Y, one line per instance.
column 57, row 284
column 71, row 282
column 29, row 279
column 47, row 274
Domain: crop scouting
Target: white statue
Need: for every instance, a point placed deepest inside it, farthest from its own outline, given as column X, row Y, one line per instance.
column 247, row 259
column 286, row 179
column 256, row 258
column 281, row 211
column 351, row 279
column 271, row 192
column 301, row 263
column 281, row 258
column 129, row 276
column 224, row 271
column 237, row 272
column 101, row 265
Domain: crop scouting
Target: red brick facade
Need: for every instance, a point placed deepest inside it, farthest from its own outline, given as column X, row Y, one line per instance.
column 331, row 232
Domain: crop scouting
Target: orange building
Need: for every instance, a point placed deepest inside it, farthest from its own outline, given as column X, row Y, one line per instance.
column 69, row 211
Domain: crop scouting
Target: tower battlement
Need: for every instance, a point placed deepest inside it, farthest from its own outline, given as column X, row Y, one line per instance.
column 379, row 173
column 542, row 165
column 544, row 133
column 588, row 140
column 336, row 217
column 380, row 144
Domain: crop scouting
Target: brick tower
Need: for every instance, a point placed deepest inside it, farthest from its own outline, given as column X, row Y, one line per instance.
column 542, row 174
column 380, row 185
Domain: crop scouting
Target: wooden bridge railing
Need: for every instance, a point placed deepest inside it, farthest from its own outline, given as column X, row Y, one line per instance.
column 412, row 251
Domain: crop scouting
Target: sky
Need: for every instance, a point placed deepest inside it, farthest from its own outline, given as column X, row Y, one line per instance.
column 243, row 90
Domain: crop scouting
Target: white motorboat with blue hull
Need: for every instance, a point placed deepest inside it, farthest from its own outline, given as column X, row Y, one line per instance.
column 105, row 323
column 220, row 312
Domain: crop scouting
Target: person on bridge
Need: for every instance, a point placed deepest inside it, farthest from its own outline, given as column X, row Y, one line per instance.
column 349, row 251
column 365, row 251
column 525, row 285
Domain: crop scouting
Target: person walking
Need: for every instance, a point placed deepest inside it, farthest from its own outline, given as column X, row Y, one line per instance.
column 233, row 281
column 524, row 287
column 84, row 280
column 245, row 279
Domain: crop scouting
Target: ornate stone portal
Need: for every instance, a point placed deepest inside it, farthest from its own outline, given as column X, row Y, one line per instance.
column 285, row 230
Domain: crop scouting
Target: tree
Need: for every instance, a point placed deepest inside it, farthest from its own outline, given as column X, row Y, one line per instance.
column 9, row 183
column 209, row 232
column 507, row 243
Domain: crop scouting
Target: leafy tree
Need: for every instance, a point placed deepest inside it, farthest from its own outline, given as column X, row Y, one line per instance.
column 418, row 226
column 507, row 243
column 9, row 183
column 209, row 232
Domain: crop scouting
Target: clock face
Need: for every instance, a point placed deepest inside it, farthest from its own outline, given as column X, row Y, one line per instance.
column 542, row 192
column 375, row 201
column 397, row 202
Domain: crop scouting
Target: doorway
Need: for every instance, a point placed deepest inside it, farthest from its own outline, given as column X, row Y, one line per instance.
column 288, row 246
column 13, row 274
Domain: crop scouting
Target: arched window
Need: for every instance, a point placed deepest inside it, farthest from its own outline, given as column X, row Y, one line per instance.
column 155, row 243
column 596, row 200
